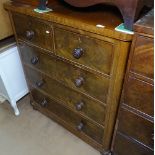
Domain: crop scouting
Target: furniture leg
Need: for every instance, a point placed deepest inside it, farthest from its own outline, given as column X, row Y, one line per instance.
column 15, row 108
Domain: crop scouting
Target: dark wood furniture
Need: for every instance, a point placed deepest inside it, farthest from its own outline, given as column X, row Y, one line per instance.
column 134, row 128
column 129, row 9
column 74, row 68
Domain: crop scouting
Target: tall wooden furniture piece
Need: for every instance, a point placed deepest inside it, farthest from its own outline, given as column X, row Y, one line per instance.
column 73, row 67
column 134, row 129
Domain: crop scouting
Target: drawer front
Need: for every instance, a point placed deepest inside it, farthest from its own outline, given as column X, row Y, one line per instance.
column 136, row 127
column 71, row 118
column 33, row 30
column 37, row 58
column 83, row 81
column 77, row 102
column 125, row 146
column 93, row 53
column 139, row 95
column 143, row 57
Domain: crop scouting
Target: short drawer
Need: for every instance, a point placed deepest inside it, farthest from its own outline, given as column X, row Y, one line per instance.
column 38, row 59
column 143, row 57
column 72, row 76
column 127, row 146
column 76, row 101
column 139, row 95
column 33, row 30
column 72, row 119
column 136, row 127
column 91, row 52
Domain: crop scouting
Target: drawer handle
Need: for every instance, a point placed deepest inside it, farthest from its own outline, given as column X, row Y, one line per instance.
column 80, row 126
column 79, row 82
column 79, row 105
column 39, row 83
column 77, row 53
column 44, row 103
column 29, row 34
column 34, row 60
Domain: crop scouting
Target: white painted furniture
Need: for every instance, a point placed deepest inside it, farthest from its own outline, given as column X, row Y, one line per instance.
column 13, row 85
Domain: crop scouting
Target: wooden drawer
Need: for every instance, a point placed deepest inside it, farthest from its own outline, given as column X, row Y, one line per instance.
column 72, row 76
column 94, row 53
column 76, row 101
column 127, row 146
column 33, row 30
column 72, row 119
column 143, row 57
column 136, row 127
column 139, row 95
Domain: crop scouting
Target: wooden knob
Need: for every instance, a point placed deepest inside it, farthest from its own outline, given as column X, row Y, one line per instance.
column 39, row 83
column 80, row 126
column 34, row 60
column 79, row 105
column 77, row 53
column 44, row 103
column 29, row 34
column 79, row 82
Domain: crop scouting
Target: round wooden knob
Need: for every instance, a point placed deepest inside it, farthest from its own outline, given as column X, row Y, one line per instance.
column 34, row 60
column 80, row 126
column 79, row 82
column 44, row 103
column 29, row 34
column 79, row 105
column 77, row 53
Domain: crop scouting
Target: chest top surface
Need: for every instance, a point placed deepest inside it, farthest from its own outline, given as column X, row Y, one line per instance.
column 108, row 18
column 146, row 24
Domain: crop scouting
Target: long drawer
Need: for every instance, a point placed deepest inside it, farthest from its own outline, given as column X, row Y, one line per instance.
column 136, row 127
column 72, row 76
column 94, row 53
column 78, row 102
column 72, row 119
column 143, row 57
column 127, row 146
column 33, row 30
column 139, row 95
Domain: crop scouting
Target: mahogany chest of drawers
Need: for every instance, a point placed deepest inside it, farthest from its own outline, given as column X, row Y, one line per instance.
column 135, row 125
column 73, row 68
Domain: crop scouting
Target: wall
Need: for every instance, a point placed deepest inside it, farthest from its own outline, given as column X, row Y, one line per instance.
column 5, row 25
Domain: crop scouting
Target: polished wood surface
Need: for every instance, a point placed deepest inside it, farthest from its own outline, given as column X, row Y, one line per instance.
column 79, row 19
column 135, row 125
column 125, row 146
column 68, row 116
column 139, row 95
column 34, row 30
column 129, row 9
column 91, row 108
column 94, row 52
column 143, row 59
column 145, row 25
column 66, row 73
column 85, row 82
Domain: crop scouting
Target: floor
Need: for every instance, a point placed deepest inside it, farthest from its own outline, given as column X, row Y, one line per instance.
column 32, row 133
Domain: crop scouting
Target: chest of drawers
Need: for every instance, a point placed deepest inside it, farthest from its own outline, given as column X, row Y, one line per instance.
column 74, row 69
column 135, row 127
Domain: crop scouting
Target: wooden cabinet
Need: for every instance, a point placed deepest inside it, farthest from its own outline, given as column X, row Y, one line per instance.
column 74, row 69
column 135, row 124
